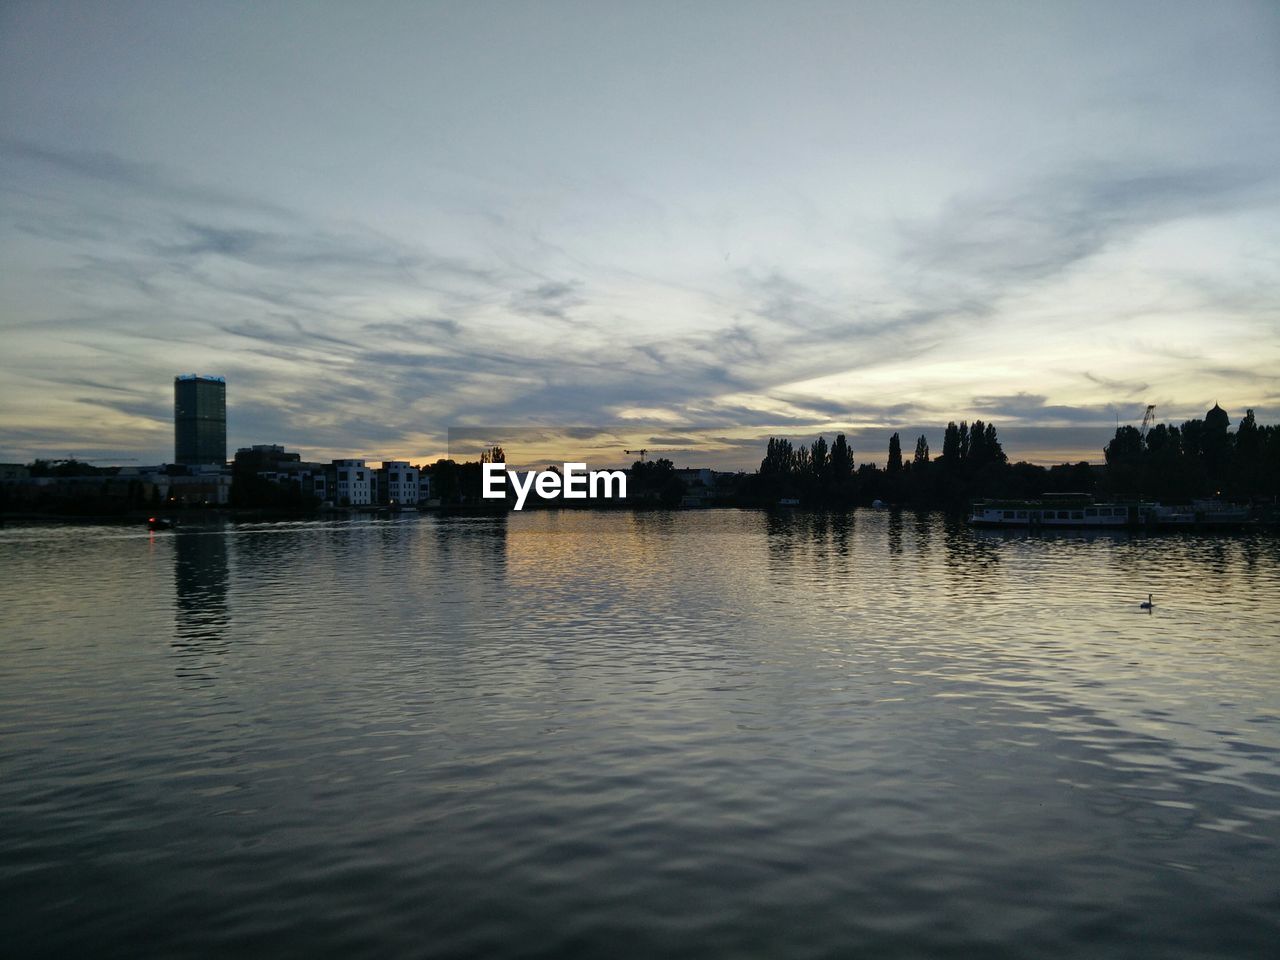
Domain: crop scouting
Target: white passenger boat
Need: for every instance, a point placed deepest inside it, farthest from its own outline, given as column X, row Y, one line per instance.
column 1059, row 510
column 1080, row 510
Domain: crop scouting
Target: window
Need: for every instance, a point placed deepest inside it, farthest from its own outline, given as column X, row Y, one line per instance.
column 1077, row 514
column 1022, row 514
column 1006, row 514
column 1091, row 512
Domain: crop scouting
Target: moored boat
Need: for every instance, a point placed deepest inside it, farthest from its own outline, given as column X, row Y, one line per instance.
column 1074, row 510
column 1204, row 513
column 1063, row 510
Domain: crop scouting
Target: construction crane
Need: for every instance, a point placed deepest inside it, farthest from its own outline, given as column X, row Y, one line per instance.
column 643, row 452
column 1148, row 420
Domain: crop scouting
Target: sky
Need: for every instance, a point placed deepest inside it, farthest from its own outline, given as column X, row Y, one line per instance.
column 679, row 226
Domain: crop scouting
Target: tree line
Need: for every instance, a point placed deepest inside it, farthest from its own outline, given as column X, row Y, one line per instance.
column 1201, row 458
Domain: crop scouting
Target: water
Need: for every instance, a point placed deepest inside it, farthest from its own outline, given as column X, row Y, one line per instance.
column 690, row 735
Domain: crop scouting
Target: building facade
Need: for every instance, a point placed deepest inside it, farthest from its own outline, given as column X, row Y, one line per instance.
column 199, row 420
column 397, row 483
column 355, row 484
column 285, row 468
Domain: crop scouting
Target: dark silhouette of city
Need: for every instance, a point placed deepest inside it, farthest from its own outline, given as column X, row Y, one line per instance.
column 1200, row 458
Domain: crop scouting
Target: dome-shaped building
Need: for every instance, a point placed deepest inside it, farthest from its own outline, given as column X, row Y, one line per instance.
column 1216, row 420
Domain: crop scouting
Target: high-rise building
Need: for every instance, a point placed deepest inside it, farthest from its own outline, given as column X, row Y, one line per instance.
column 199, row 419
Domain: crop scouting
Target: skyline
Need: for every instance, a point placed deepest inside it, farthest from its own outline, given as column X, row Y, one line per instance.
column 711, row 226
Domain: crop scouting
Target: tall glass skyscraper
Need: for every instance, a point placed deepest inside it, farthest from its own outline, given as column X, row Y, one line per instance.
column 199, row 419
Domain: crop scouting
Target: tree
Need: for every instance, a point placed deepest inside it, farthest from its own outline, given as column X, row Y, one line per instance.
column 446, row 481
column 895, row 455
column 976, row 453
column 841, row 460
column 1248, row 460
column 1125, row 448
column 802, row 463
column 779, row 458
column 994, row 450
column 984, row 447
column 820, row 461
column 922, row 451
column 951, row 446
column 656, row 480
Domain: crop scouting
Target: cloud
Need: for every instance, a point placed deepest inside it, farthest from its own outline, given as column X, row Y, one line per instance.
column 1035, row 408
column 994, row 239
column 152, row 181
column 311, row 318
column 414, row 330
column 552, row 299
column 1123, row 387
column 161, row 413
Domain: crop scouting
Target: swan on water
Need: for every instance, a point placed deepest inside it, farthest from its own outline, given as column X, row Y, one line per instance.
column 1148, row 605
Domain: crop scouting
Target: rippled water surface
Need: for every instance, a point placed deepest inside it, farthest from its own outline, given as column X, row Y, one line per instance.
column 606, row 735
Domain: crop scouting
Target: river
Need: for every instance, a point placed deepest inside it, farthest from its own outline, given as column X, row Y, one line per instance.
column 696, row 734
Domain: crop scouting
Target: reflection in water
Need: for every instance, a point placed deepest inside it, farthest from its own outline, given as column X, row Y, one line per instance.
column 922, row 527
column 971, row 561
column 468, row 553
column 895, row 533
column 842, row 533
column 798, row 539
column 200, row 613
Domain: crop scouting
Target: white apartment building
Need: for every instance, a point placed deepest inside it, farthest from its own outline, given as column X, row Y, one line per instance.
column 398, row 483
column 355, row 484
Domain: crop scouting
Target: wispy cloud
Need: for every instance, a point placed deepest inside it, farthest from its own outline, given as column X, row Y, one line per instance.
column 752, row 240
column 991, row 240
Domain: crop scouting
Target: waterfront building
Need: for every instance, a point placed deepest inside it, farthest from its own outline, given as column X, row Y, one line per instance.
column 205, row 487
column 199, row 420
column 397, row 483
column 355, row 484
column 285, row 468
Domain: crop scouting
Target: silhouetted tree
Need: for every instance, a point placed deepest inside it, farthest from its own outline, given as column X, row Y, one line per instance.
column 984, row 446
column 922, row 451
column 951, row 446
column 894, row 465
column 841, row 460
column 779, row 458
column 655, row 482
column 1171, row 463
column 1248, row 456
column 1198, row 459
column 820, row 462
column 1124, row 448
